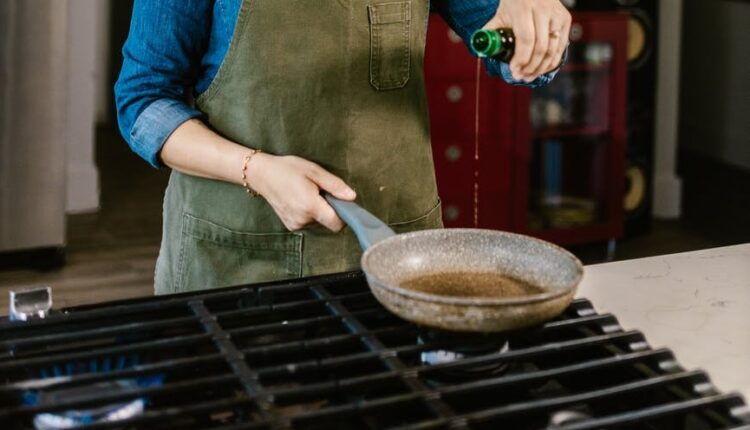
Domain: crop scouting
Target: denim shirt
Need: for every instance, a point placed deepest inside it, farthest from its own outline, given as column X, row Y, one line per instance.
column 175, row 48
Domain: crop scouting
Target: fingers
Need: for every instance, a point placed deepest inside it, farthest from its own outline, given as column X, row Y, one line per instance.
column 563, row 45
column 541, row 28
column 292, row 224
column 540, row 52
column 319, row 211
column 293, row 191
column 498, row 21
column 331, row 183
column 552, row 58
column 553, row 55
column 523, row 29
column 322, row 212
column 316, row 209
column 560, row 23
column 326, row 216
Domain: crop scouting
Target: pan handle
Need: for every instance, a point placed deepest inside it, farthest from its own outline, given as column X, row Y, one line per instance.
column 368, row 228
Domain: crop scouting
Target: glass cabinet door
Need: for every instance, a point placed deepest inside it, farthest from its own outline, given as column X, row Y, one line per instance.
column 570, row 131
column 575, row 142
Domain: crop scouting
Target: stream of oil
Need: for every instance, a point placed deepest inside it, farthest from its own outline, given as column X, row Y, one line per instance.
column 476, row 144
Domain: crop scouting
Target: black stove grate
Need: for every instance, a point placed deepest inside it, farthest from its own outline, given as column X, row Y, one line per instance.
column 321, row 353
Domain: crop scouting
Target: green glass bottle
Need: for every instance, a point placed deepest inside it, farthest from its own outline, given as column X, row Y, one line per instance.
column 497, row 44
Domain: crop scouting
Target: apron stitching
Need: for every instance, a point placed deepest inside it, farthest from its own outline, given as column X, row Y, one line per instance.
column 203, row 229
column 406, row 50
column 374, row 53
column 300, row 255
column 401, row 78
column 347, row 80
column 180, row 260
column 426, row 215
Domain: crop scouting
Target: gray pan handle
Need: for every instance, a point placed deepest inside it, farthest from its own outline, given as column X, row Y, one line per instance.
column 367, row 227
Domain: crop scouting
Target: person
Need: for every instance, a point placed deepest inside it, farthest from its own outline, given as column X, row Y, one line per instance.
column 258, row 106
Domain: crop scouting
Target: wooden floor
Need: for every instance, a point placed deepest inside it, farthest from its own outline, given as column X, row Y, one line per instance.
column 111, row 254
column 91, row 276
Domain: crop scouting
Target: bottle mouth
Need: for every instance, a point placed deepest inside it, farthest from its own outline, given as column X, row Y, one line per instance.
column 486, row 43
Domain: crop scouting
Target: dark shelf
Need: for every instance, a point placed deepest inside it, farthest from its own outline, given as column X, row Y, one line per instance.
column 598, row 231
column 569, row 131
column 585, row 67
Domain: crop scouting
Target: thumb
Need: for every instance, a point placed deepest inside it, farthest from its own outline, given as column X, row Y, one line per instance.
column 331, row 183
column 497, row 21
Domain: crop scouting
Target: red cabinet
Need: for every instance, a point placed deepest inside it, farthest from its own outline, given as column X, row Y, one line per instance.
column 550, row 160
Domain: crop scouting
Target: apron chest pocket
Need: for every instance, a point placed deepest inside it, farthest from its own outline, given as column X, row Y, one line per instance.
column 390, row 39
column 212, row 255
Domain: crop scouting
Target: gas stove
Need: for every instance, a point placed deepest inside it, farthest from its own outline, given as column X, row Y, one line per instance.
column 321, row 353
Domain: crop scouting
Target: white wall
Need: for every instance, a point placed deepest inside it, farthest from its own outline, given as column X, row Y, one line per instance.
column 667, row 185
column 104, row 91
column 83, row 83
column 716, row 80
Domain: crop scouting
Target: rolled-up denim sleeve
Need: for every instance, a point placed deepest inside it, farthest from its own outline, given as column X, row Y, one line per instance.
column 465, row 17
column 161, row 63
column 155, row 124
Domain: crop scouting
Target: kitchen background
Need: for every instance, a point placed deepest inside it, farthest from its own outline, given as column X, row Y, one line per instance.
column 641, row 146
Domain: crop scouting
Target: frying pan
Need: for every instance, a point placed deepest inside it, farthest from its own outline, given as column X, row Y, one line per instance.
column 468, row 280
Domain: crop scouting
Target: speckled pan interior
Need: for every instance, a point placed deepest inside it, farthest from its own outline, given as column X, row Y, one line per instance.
column 527, row 259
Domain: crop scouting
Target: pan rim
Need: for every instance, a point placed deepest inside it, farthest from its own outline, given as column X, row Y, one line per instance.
column 477, row 301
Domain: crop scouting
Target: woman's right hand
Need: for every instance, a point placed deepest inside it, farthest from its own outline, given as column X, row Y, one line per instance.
column 291, row 185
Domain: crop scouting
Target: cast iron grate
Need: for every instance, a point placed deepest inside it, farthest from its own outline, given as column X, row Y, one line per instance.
column 322, row 353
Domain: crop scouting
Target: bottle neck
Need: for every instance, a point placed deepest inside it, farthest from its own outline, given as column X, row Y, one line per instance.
column 492, row 43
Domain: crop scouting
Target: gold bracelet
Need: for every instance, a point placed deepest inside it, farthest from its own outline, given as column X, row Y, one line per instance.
column 251, row 192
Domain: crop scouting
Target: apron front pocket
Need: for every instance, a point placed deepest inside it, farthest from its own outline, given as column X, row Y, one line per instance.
column 390, row 40
column 212, row 256
column 433, row 218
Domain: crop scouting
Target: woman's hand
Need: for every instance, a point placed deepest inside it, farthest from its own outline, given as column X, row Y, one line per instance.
column 291, row 185
column 541, row 28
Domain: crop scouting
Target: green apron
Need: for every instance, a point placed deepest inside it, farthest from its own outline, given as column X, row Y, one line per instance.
column 339, row 83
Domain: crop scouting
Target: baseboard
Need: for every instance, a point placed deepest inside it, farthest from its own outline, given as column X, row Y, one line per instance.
column 43, row 259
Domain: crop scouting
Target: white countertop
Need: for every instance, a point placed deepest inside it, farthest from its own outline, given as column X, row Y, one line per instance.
column 697, row 304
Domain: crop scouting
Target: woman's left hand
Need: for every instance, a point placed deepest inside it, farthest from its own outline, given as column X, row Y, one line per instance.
column 541, row 28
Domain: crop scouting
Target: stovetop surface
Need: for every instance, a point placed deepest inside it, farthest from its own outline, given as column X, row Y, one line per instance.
column 323, row 353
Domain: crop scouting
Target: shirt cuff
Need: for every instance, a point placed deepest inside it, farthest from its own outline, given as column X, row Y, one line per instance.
column 154, row 126
column 538, row 82
column 499, row 68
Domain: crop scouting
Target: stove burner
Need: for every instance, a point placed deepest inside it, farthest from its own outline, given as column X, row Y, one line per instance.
column 103, row 365
column 567, row 416
column 462, row 346
column 46, row 391
column 108, row 413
